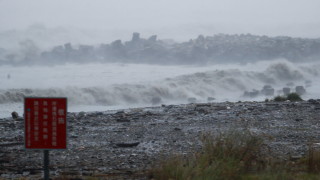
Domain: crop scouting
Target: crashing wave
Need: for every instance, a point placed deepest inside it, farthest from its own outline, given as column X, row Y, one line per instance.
column 222, row 84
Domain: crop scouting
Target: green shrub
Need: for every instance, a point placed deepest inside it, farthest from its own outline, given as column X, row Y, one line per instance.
column 313, row 160
column 291, row 97
column 280, row 98
column 294, row 97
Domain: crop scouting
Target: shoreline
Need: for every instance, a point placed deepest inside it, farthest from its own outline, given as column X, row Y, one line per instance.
column 130, row 141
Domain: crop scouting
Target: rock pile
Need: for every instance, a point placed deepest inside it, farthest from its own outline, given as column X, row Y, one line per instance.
column 122, row 144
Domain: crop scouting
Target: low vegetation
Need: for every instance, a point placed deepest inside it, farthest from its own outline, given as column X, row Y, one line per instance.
column 294, row 97
column 236, row 155
column 291, row 97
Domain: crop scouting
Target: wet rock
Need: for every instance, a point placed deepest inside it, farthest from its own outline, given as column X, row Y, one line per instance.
column 81, row 114
column 25, row 173
column 98, row 114
column 14, row 115
column 313, row 101
column 102, row 142
column 120, row 112
column 203, row 105
column 220, row 108
column 123, row 119
column 74, row 136
column 6, row 176
column 201, row 110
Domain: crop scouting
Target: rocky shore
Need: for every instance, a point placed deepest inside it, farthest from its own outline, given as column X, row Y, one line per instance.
column 124, row 144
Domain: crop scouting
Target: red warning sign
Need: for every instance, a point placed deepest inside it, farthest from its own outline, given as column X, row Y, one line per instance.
column 45, row 123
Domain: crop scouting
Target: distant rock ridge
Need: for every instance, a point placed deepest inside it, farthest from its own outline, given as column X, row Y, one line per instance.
column 219, row 48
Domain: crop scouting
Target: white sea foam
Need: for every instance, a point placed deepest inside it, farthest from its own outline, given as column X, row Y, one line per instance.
column 115, row 86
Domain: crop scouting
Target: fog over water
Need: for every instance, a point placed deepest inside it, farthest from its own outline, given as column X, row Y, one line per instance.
column 103, row 21
column 38, row 31
column 117, row 86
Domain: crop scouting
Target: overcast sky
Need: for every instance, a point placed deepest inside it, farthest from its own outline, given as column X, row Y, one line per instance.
column 271, row 17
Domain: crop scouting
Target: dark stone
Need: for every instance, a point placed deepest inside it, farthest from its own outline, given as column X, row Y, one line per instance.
column 127, row 145
column 74, row 136
column 120, row 112
column 123, row 120
column 82, row 114
column 99, row 114
column 313, row 101
column 177, row 129
column 14, row 115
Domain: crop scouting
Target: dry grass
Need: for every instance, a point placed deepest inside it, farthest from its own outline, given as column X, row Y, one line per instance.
column 236, row 155
column 314, row 158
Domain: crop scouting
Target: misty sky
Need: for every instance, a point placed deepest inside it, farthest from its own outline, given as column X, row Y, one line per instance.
column 271, row 17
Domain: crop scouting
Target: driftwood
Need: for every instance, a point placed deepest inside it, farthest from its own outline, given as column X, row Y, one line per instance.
column 127, row 145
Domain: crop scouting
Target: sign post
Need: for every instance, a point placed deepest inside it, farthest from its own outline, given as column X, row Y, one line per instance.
column 45, row 126
column 46, row 164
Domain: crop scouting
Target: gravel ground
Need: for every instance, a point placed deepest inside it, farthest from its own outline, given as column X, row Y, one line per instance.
column 124, row 144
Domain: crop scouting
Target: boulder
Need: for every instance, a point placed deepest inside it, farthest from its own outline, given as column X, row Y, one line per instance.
column 14, row 115
column 127, row 145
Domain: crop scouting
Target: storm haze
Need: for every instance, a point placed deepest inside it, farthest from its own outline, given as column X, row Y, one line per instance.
column 112, row 54
column 154, row 87
column 178, row 19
